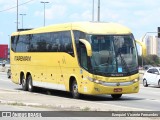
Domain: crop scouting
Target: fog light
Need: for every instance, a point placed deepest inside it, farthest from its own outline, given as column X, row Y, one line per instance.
column 135, row 88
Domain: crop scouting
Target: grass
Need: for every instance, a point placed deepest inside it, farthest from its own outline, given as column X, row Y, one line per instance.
column 16, row 104
column 86, row 109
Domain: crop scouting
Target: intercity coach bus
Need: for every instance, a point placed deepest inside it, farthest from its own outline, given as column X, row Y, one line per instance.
column 81, row 58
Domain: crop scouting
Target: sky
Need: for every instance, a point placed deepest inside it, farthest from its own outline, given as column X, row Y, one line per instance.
column 140, row 16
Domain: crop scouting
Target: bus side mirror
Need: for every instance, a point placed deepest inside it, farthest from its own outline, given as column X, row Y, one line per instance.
column 88, row 46
column 143, row 47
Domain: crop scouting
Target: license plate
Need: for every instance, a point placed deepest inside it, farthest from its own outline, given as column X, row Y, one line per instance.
column 117, row 89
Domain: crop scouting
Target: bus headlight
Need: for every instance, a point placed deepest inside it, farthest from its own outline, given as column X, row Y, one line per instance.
column 90, row 79
column 95, row 81
column 135, row 80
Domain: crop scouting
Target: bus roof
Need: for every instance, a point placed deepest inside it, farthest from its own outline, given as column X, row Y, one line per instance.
column 87, row 27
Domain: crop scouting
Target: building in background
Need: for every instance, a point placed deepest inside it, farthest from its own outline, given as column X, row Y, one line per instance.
column 3, row 52
column 153, row 45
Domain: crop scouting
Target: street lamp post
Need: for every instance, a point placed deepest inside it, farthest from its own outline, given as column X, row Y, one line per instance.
column 93, row 12
column 22, row 18
column 17, row 15
column 98, row 17
column 44, row 10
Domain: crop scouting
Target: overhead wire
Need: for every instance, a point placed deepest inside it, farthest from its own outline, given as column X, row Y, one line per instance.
column 15, row 6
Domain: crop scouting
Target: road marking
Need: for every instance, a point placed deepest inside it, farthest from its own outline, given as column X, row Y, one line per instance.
column 153, row 100
column 3, row 73
column 8, row 90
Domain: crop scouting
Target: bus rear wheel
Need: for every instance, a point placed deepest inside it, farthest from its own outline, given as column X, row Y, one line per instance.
column 24, row 83
column 30, row 84
column 74, row 90
column 116, row 96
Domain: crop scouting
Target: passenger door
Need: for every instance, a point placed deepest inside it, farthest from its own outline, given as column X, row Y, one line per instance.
column 156, row 77
column 153, row 76
column 83, row 57
column 149, row 76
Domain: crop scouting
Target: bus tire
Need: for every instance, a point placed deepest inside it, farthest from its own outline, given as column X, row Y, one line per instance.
column 24, row 83
column 116, row 96
column 74, row 90
column 30, row 84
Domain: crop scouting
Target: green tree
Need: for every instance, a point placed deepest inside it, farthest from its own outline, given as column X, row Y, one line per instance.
column 151, row 60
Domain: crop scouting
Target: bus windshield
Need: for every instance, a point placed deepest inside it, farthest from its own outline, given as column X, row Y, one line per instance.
column 113, row 54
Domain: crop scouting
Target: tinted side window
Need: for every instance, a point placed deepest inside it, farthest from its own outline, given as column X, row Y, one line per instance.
column 155, row 71
column 34, row 43
column 54, row 41
column 150, row 71
column 66, row 43
column 27, row 42
column 20, row 44
column 43, row 42
column 48, row 42
column 13, row 43
column 78, row 35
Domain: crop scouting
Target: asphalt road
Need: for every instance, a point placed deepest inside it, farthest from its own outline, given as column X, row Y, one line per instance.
column 148, row 98
column 6, row 83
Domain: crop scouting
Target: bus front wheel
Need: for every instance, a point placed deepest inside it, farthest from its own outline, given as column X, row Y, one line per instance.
column 74, row 91
column 116, row 96
column 30, row 85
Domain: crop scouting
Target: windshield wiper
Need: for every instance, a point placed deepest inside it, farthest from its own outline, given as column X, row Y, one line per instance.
column 124, row 62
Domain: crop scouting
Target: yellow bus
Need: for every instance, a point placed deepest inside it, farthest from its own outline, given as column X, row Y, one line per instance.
column 80, row 57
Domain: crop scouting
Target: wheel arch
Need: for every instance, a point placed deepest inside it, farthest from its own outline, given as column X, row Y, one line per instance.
column 71, row 79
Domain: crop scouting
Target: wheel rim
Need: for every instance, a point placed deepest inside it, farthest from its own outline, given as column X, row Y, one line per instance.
column 75, row 88
column 75, row 93
column 23, row 82
column 30, row 84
